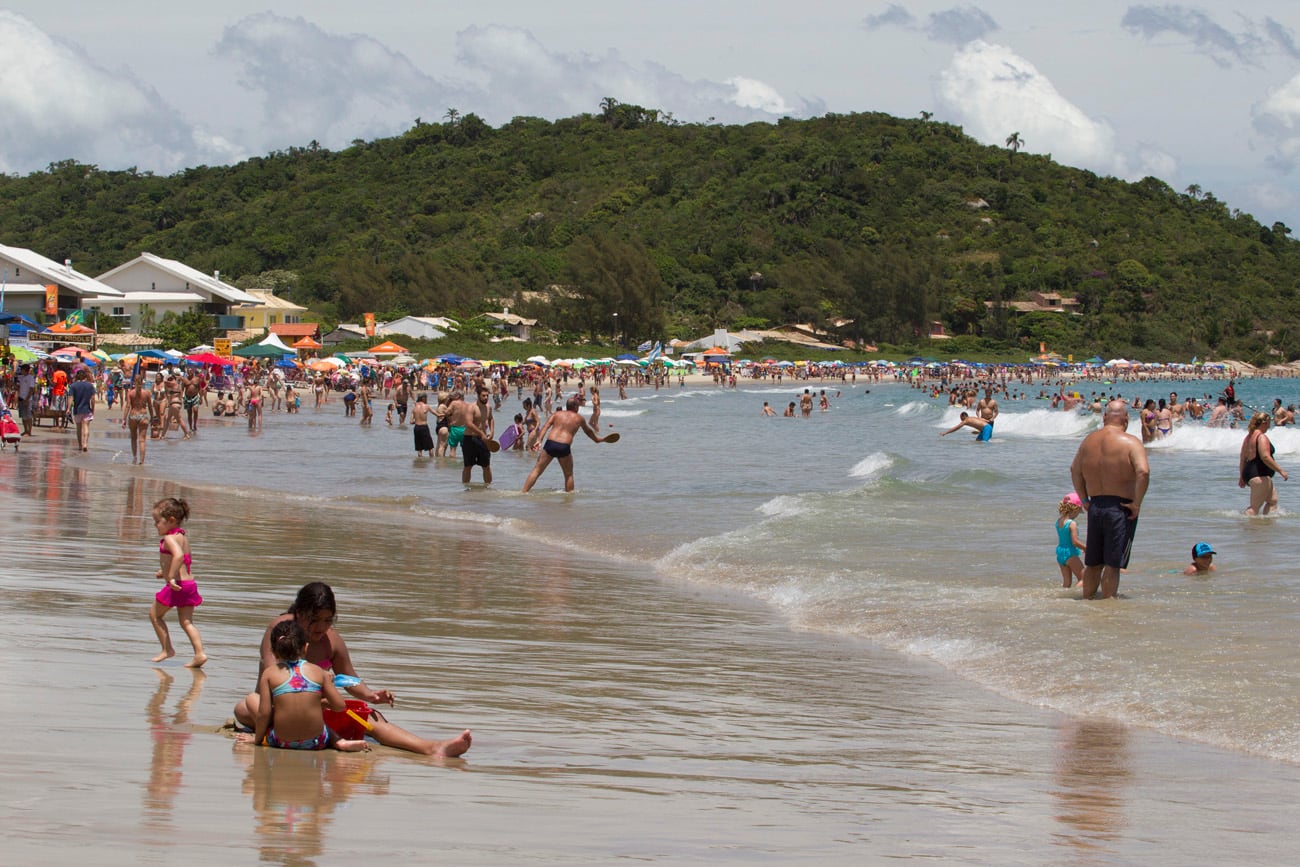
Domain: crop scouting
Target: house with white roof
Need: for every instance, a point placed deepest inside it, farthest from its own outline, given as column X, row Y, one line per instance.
column 27, row 273
column 418, row 327
column 149, row 287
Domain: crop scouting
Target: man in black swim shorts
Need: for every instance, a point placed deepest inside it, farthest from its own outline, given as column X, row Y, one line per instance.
column 1111, row 475
column 557, row 442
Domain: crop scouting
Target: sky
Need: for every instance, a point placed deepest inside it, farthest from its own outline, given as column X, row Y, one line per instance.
column 1196, row 95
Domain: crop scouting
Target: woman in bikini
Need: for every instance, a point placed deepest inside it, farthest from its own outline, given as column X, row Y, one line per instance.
column 135, row 417
column 314, row 610
column 290, row 715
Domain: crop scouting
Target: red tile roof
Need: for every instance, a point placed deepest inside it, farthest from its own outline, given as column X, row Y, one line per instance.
column 295, row 329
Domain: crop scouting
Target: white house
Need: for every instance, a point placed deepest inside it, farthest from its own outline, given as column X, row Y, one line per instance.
column 418, row 327
column 150, row 286
column 26, row 274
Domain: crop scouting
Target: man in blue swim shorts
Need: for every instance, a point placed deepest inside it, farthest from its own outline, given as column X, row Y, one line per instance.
column 983, row 427
column 1111, row 475
column 557, row 442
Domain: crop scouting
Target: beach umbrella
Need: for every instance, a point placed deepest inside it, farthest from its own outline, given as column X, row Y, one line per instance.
column 399, row 359
column 207, row 358
column 22, row 353
column 539, row 359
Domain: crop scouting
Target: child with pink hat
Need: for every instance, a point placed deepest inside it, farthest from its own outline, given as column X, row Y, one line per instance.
column 1068, row 545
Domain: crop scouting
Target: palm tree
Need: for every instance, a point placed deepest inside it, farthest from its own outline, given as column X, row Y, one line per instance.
column 1194, row 190
column 1015, row 142
column 452, row 116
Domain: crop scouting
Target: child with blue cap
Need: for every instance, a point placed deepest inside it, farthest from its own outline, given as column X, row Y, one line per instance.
column 1202, row 560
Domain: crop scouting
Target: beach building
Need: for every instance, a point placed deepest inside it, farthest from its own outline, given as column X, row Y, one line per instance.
column 268, row 309
column 289, row 332
column 419, row 327
column 149, row 287
column 28, row 273
column 511, row 324
column 343, row 332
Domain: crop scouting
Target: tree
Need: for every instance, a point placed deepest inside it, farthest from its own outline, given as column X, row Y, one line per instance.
column 181, row 331
column 1015, row 142
column 452, row 117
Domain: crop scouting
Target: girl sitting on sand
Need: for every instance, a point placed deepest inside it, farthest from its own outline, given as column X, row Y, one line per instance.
column 180, row 591
column 289, row 713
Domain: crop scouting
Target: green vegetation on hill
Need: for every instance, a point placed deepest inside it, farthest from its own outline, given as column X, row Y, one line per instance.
column 878, row 223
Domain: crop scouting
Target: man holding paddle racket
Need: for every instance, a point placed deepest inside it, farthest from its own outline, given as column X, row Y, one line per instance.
column 557, row 442
column 471, row 430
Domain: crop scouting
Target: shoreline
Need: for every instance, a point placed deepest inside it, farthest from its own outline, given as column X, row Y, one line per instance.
column 593, row 730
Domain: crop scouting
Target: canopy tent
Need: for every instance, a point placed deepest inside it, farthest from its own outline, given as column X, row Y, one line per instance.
column 306, row 343
column 263, row 350
column 64, row 328
column 388, row 347
column 273, row 339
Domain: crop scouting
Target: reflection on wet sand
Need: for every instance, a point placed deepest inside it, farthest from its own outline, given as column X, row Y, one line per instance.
column 296, row 792
column 169, row 739
column 1093, row 769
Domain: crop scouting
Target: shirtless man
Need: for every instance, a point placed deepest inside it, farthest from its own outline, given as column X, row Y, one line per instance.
column 466, row 431
column 805, row 403
column 193, row 393
column 982, row 427
column 1111, row 476
column 420, row 426
column 988, row 407
column 401, row 396
column 1219, row 415
column 558, row 432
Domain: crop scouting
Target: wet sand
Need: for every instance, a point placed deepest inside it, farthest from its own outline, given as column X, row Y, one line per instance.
column 616, row 715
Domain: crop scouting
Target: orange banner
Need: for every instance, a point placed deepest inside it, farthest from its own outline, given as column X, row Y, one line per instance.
column 51, row 299
column 370, row 324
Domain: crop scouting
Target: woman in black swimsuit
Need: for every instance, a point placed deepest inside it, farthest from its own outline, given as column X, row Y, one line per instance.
column 1257, row 466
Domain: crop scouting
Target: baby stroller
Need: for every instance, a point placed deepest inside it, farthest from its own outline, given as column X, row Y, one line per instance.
column 9, row 432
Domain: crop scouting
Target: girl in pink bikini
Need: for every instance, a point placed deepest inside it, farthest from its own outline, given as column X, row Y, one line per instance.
column 180, row 591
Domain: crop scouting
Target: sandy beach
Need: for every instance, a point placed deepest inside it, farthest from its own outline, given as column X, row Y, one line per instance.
column 617, row 714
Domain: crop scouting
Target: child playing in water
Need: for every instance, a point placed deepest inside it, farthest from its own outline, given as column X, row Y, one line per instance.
column 290, row 698
column 180, row 591
column 1202, row 560
column 1068, row 545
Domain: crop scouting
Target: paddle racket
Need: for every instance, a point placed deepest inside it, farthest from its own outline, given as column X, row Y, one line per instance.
column 613, row 438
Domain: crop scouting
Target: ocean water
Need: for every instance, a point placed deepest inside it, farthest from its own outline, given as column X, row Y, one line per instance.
column 862, row 521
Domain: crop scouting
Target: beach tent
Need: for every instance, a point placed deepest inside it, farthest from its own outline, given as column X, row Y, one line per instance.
column 305, row 343
column 64, row 328
column 388, row 347
column 263, row 350
column 273, row 339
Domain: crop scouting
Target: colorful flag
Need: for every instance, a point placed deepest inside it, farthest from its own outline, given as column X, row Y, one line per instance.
column 656, row 352
column 51, row 300
column 370, row 324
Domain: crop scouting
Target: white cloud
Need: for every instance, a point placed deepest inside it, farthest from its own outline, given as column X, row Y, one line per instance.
column 334, row 88
column 1277, row 120
column 315, row 85
column 995, row 92
column 757, row 95
column 57, row 104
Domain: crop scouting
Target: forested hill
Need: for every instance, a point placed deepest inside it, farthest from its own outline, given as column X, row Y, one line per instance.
column 677, row 228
